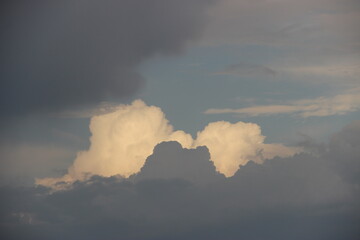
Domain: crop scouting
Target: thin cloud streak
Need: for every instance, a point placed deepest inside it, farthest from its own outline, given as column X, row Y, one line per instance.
column 336, row 70
column 247, row 69
column 319, row 107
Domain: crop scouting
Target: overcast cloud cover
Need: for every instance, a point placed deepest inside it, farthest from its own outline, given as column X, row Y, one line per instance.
column 180, row 119
column 61, row 54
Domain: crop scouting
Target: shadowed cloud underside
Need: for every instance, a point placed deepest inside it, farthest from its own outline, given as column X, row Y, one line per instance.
column 178, row 195
column 122, row 140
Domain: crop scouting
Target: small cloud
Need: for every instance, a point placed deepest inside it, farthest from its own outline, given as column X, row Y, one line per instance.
column 247, row 69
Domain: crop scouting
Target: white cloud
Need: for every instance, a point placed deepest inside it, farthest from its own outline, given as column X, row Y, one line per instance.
column 232, row 145
column 122, row 140
column 322, row 106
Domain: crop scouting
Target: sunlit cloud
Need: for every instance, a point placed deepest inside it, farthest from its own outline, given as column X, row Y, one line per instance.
column 122, row 140
column 318, row 107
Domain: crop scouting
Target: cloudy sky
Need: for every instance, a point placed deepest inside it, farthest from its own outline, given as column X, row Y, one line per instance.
column 180, row 119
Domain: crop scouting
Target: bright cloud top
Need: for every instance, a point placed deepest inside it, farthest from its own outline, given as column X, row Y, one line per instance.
column 122, row 140
column 231, row 145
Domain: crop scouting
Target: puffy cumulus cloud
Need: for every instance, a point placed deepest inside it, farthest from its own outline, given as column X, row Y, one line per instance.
column 177, row 195
column 122, row 140
column 231, row 145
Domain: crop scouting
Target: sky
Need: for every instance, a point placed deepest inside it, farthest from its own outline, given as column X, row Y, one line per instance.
column 169, row 119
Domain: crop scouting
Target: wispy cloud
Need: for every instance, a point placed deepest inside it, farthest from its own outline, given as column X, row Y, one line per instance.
column 83, row 112
column 247, row 69
column 322, row 106
column 336, row 70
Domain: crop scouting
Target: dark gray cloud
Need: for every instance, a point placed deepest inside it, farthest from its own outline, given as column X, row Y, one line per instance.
column 303, row 197
column 170, row 161
column 344, row 152
column 56, row 54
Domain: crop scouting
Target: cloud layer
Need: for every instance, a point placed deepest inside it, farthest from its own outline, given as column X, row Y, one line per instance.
column 56, row 55
column 312, row 41
column 178, row 195
column 122, row 140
